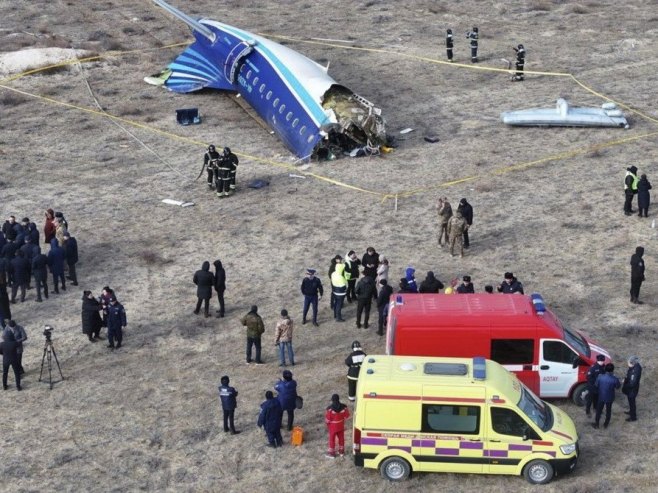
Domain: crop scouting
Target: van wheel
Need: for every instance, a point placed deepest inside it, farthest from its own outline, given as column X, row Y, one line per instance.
column 395, row 469
column 578, row 396
column 538, row 471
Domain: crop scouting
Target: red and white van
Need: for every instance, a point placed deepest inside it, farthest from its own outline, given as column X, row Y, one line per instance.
column 517, row 331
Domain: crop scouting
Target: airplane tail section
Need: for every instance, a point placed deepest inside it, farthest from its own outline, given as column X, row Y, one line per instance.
column 194, row 70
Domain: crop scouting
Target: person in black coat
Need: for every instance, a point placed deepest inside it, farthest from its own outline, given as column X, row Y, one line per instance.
column 91, row 317
column 385, row 292
column 466, row 287
column 637, row 274
column 270, row 418
column 56, row 257
column 431, row 284
column 510, row 285
column 365, row 292
column 449, row 44
column 220, row 285
column 9, row 351
column 467, row 213
column 29, row 251
column 228, row 397
column 631, row 385
column 71, row 254
column 5, row 310
column 370, row 262
column 9, row 253
column 312, row 290
column 40, row 273
column 643, row 196
column 204, row 280
column 20, row 270
column 9, row 228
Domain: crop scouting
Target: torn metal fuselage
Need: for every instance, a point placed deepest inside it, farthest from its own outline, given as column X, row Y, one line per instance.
column 309, row 111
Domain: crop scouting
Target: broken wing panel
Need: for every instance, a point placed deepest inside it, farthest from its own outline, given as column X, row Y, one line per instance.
column 194, row 70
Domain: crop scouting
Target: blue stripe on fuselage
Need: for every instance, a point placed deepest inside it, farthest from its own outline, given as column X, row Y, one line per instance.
column 312, row 106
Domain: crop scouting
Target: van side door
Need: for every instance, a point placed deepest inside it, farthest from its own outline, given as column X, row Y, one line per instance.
column 509, row 440
column 452, row 437
column 556, row 372
column 517, row 356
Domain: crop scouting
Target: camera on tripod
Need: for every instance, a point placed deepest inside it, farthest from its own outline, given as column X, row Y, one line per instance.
column 48, row 332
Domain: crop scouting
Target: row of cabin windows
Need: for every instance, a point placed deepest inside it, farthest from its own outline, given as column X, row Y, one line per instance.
column 275, row 103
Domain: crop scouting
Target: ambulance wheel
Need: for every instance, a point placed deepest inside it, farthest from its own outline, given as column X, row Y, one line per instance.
column 395, row 469
column 538, row 471
column 578, row 396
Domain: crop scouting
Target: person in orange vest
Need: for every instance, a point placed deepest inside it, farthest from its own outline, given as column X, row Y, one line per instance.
column 335, row 416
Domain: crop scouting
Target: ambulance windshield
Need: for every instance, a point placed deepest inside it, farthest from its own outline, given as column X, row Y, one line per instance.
column 535, row 409
column 577, row 342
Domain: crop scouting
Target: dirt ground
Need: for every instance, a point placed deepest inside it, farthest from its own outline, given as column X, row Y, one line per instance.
column 548, row 206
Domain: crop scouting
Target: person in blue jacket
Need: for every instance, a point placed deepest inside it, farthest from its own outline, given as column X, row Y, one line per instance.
column 270, row 419
column 287, row 395
column 116, row 322
column 409, row 275
column 607, row 383
column 228, row 397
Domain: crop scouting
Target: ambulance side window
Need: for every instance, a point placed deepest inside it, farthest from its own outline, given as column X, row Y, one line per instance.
column 508, row 422
column 444, row 418
column 559, row 352
column 513, row 351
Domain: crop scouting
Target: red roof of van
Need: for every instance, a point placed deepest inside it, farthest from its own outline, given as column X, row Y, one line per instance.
column 514, row 308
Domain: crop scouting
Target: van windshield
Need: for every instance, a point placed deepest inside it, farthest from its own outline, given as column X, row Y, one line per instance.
column 577, row 342
column 535, row 409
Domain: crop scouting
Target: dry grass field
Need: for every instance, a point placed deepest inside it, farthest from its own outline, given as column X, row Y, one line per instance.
column 548, row 206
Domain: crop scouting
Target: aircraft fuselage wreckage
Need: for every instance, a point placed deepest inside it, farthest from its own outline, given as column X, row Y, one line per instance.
column 310, row 112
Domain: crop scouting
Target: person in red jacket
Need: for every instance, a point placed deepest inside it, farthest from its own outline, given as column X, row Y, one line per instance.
column 335, row 417
column 49, row 227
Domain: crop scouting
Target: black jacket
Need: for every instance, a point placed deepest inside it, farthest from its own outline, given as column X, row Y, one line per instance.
column 71, row 251
column 365, row 288
column 384, row 295
column 465, row 289
column 205, row 280
column 431, row 284
column 632, row 380
column 510, row 288
column 20, row 269
column 637, row 264
column 9, row 350
column 312, row 286
column 91, row 318
column 372, row 260
column 40, row 266
column 220, row 277
column 467, row 211
column 643, row 195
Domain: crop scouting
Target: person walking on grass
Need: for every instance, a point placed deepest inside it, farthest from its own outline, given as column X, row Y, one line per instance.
column 270, row 418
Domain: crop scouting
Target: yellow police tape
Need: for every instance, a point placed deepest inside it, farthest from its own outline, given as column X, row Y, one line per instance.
column 384, row 195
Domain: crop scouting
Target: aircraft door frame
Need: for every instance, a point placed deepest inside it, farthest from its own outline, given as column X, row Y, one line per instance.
column 238, row 52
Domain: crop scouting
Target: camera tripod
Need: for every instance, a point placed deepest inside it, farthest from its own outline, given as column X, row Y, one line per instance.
column 48, row 354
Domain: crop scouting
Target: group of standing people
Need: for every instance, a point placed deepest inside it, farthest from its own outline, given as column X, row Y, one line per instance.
column 104, row 311
column 21, row 258
column 601, row 387
column 205, row 282
column 453, row 227
column 221, row 170
column 640, row 186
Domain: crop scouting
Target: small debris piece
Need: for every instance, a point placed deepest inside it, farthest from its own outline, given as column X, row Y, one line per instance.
column 431, row 139
column 406, row 130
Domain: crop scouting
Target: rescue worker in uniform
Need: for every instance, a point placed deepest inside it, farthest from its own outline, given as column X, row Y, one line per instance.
column 353, row 362
column 270, row 420
column 631, row 385
column 228, row 397
column 637, row 274
column 456, row 228
column 449, row 44
column 630, row 188
column 592, row 397
column 520, row 62
column 444, row 210
column 210, row 162
column 334, row 417
column 227, row 167
column 474, row 36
